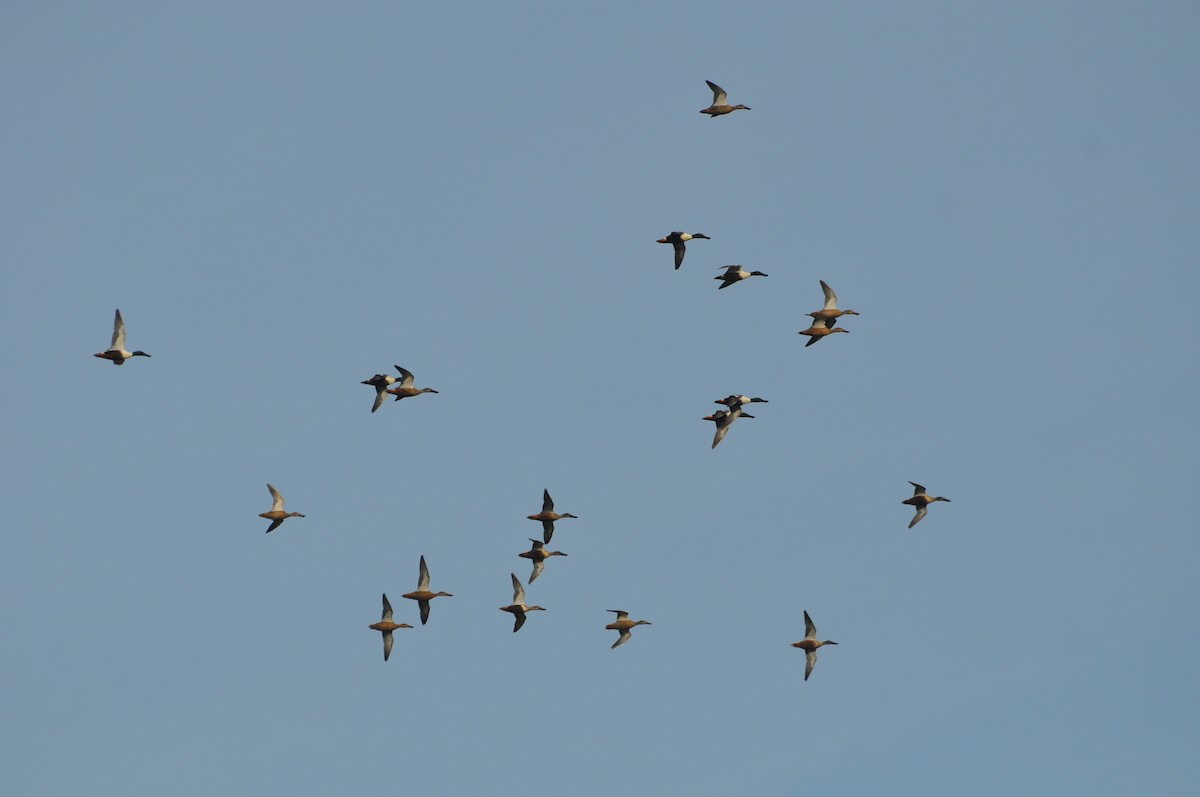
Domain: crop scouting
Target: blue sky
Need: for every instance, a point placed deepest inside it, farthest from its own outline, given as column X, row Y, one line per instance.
column 284, row 199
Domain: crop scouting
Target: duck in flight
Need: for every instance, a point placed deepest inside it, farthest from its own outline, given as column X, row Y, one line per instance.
column 921, row 500
column 548, row 516
column 277, row 515
column 406, row 389
column 735, row 274
column 830, row 310
column 386, row 627
column 517, row 608
column 733, row 401
column 720, row 104
column 624, row 625
column 809, row 645
column 677, row 240
column 381, row 382
column 724, row 419
column 422, row 595
column 538, row 555
column 116, row 353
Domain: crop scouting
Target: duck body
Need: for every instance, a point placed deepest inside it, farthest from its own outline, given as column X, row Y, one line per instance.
column 809, row 645
column 679, row 240
column 548, row 516
column 422, row 594
column 724, row 419
column 821, row 329
column 277, row 514
column 406, row 389
column 381, row 383
column 734, row 275
column 830, row 311
column 538, row 555
column 116, row 353
column 921, row 500
column 624, row 625
column 386, row 627
column 720, row 104
column 518, row 609
column 733, row 401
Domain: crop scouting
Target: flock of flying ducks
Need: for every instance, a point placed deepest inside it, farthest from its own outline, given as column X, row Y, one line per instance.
column 823, row 324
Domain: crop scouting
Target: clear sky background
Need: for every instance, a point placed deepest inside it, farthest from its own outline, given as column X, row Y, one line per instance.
column 286, row 198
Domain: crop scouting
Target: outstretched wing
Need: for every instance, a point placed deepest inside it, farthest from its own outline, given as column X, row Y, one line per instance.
column 118, row 338
column 387, row 608
column 423, row 579
column 276, row 499
column 830, row 297
column 719, row 95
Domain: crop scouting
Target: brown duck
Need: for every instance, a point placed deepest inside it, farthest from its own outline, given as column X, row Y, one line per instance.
column 538, row 555
column 517, row 608
column 277, row 515
column 720, row 104
column 548, row 516
column 422, row 595
column 624, row 625
column 406, row 389
column 921, row 500
column 809, row 645
column 386, row 627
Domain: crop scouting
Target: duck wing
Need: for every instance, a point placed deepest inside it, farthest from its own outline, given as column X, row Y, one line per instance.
column 719, row 95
